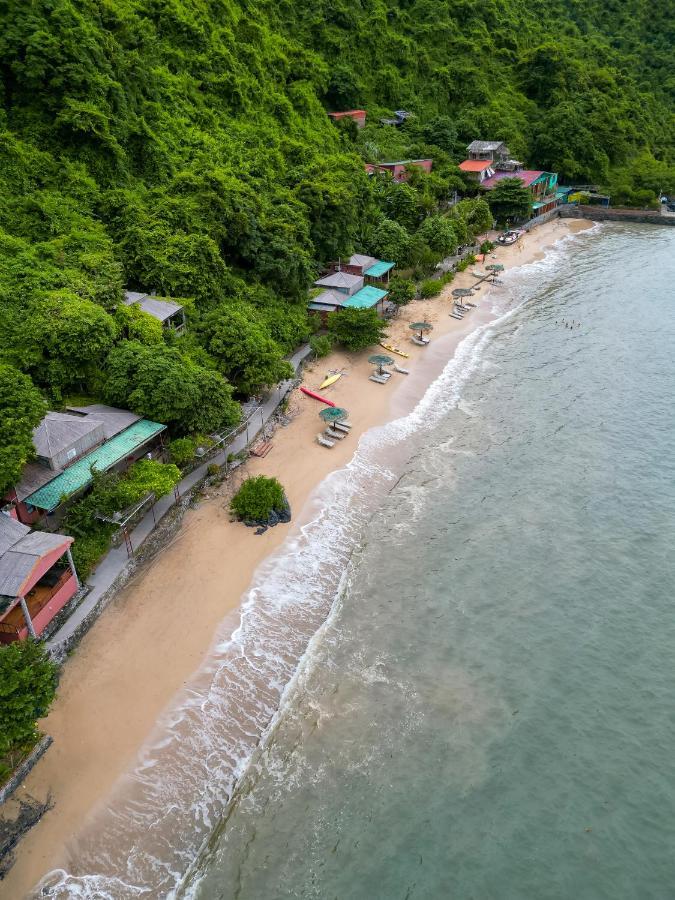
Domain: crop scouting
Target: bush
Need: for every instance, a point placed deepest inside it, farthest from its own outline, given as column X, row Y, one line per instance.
column 182, row 450
column 27, row 688
column 487, row 247
column 430, row 288
column 212, row 470
column 257, row 498
column 356, row 329
column 89, row 548
column 401, row 291
column 321, row 344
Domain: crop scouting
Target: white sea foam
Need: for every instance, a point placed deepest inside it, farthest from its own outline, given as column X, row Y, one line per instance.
column 145, row 840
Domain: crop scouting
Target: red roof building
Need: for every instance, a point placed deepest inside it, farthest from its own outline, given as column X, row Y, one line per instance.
column 478, row 169
column 37, row 579
column 358, row 116
column 399, row 171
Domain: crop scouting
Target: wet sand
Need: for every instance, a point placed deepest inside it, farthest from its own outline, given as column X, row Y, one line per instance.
column 155, row 634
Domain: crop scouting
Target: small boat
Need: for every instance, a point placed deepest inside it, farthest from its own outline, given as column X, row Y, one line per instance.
column 393, row 349
column 509, row 237
column 316, row 396
column 331, row 379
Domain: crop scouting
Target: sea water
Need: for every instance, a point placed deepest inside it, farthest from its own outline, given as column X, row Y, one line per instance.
column 490, row 710
column 485, row 709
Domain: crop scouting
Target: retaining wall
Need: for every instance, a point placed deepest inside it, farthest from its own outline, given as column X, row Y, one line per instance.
column 20, row 774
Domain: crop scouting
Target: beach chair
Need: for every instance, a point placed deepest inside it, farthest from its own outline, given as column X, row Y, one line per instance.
column 378, row 378
column 456, row 316
column 333, row 434
column 340, row 426
column 323, row 440
column 401, row 370
column 420, row 343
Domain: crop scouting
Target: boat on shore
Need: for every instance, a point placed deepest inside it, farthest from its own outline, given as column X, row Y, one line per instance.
column 316, row 396
column 393, row 349
column 509, row 237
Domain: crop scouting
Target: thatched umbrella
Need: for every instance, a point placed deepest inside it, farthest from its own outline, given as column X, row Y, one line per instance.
column 379, row 360
column 462, row 292
column 494, row 268
column 421, row 327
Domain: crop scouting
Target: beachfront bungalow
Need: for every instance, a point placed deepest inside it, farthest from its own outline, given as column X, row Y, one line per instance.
column 67, row 446
column 373, row 270
column 344, row 290
column 169, row 313
column 542, row 186
column 478, row 169
column 37, row 579
column 356, row 115
column 399, row 171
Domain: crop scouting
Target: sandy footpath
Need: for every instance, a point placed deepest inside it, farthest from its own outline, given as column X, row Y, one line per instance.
column 154, row 635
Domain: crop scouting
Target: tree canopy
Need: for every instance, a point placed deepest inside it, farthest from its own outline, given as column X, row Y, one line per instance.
column 21, row 409
column 27, row 688
column 183, row 148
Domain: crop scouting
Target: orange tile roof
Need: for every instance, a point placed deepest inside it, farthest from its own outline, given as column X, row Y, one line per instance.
column 475, row 165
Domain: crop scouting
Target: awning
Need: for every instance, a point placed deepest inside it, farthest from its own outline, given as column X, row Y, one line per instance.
column 379, row 269
column 366, row 298
column 78, row 476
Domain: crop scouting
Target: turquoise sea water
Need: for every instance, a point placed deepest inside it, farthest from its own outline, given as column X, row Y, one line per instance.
column 487, row 710
column 490, row 710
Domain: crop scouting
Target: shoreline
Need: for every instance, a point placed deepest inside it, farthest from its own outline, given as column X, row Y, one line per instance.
column 153, row 637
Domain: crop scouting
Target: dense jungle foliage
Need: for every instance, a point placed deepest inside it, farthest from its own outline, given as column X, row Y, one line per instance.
column 182, row 147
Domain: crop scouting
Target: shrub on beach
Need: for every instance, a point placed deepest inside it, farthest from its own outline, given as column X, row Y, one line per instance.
column 487, row 247
column 430, row 288
column 321, row 344
column 257, row 498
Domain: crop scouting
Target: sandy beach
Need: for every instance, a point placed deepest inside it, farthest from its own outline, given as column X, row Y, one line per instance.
column 155, row 634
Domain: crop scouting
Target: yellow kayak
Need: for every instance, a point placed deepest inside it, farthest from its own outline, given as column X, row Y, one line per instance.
column 395, row 350
column 330, row 380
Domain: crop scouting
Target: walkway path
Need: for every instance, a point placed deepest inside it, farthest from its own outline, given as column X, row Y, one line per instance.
column 115, row 561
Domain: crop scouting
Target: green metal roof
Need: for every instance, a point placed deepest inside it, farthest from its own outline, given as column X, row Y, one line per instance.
column 78, row 476
column 366, row 298
column 379, row 268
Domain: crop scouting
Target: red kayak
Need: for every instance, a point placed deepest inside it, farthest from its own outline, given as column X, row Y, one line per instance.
column 316, row 396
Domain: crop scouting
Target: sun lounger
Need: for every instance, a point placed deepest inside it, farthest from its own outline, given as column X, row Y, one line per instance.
column 338, row 426
column 332, row 433
column 401, row 370
column 472, row 305
column 456, row 316
column 379, row 379
column 321, row 439
column 420, row 343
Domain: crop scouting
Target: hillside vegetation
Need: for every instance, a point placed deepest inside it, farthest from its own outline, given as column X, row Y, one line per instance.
column 182, row 147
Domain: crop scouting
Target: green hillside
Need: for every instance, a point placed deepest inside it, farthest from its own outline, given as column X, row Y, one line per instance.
column 182, row 147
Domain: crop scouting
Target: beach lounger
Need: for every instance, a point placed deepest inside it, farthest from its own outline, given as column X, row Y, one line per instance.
column 401, row 370
column 378, row 379
column 321, row 439
column 420, row 343
column 472, row 305
column 338, row 426
column 333, row 434
column 456, row 316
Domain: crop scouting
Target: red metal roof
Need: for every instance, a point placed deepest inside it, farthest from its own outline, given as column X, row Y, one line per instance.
column 527, row 176
column 475, row 165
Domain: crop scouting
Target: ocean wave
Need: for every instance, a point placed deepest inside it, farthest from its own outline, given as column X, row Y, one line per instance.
column 160, row 814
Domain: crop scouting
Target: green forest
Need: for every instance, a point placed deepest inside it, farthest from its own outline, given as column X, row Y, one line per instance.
column 182, row 147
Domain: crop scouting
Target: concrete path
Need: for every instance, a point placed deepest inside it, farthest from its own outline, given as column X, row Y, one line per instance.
column 114, row 562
